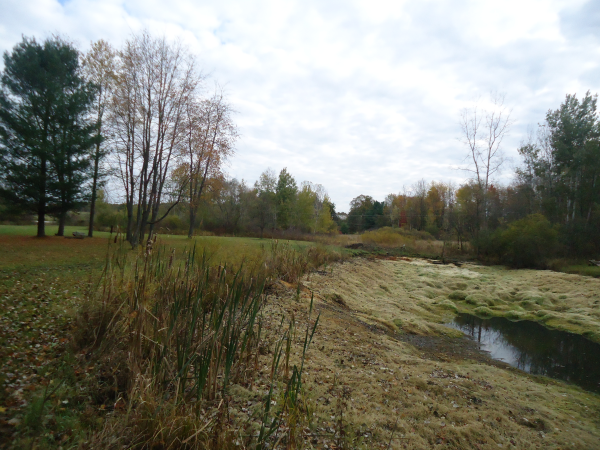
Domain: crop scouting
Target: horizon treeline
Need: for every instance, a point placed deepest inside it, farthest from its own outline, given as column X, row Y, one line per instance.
column 275, row 202
column 143, row 118
column 552, row 207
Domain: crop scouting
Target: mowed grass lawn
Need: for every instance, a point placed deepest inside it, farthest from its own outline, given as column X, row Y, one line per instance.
column 21, row 250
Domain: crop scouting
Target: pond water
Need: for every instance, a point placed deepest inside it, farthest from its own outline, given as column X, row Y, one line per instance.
column 536, row 349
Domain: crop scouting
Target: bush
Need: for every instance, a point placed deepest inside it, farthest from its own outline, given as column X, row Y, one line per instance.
column 108, row 218
column 528, row 242
column 344, row 228
column 172, row 224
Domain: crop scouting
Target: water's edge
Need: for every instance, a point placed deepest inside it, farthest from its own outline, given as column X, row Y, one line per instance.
column 536, row 349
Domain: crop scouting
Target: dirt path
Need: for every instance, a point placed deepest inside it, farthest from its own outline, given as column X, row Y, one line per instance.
column 384, row 372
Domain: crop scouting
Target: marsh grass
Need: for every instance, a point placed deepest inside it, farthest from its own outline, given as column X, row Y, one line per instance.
column 414, row 242
column 406, row 392
column 178, row 333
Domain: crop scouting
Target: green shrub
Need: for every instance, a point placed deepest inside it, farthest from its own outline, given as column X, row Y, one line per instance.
column 529, row 241
column 524, row 243
column 172, row 224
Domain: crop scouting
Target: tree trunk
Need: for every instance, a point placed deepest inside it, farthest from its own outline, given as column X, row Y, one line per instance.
column 41, row 226
column 129, row 231
column 41, row 231
column 192, row 223
column 94, row 188
column 61, row 223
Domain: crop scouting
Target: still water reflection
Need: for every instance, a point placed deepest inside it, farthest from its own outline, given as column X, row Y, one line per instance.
column 536, row 349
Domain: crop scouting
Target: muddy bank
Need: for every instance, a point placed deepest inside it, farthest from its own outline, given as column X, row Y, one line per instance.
column 384, row 371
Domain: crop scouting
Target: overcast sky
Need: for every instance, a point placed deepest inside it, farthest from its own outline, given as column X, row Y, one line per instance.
column 360, row 96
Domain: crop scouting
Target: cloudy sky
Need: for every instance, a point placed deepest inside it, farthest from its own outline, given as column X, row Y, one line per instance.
column 361, row 96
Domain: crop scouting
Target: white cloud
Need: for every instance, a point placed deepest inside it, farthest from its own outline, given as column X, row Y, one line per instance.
column 362, row 97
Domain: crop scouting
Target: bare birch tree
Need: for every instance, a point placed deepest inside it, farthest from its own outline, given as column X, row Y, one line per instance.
column 156, row 81
column 483, row 131
column 99, row 68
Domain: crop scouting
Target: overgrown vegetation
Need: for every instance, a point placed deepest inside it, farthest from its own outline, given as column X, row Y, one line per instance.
column 170, row 345
column 527, row 242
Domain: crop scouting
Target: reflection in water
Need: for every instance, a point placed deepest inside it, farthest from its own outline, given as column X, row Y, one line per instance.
column 536, row 349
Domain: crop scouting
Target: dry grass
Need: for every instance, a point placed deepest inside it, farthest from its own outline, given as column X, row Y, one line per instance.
column 132, row 374
column 363, row 386
column 392, row 393
column 415, row 243
column 190, row 349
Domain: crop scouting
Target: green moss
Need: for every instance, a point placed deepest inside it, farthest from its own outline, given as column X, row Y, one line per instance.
column 506, row 296
column 490, row 302
column 528, row 305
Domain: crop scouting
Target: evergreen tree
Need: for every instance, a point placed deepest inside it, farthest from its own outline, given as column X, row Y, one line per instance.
column 44, row 138
column 286, row 198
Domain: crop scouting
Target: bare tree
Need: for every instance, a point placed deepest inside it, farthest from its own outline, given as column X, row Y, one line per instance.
column 393, row 212
column 99, row 68
column 210, row 135
column 483, row 131
column 156, row 81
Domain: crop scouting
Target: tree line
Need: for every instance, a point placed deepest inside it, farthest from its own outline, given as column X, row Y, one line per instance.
column 552, row 207
column 274, row 203
column 139, row 114
column 143, row 117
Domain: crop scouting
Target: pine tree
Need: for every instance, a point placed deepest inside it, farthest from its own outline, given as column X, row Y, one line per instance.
column 44, row 137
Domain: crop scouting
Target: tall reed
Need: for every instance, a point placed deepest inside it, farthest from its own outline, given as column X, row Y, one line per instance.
column 187, row 331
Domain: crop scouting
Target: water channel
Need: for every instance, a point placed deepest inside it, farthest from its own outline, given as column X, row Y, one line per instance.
column 536, row 349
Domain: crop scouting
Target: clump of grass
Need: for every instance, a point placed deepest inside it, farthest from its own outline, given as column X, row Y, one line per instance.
column 483, row 311
column 288, row 262
column 178, row 334
column 474, row 299
column 460, row 286
column 447, row 304
column 457, row 295
column 514, row 315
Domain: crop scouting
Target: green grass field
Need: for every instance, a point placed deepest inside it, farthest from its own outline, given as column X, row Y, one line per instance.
column 582, row 269
column 21, row 250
